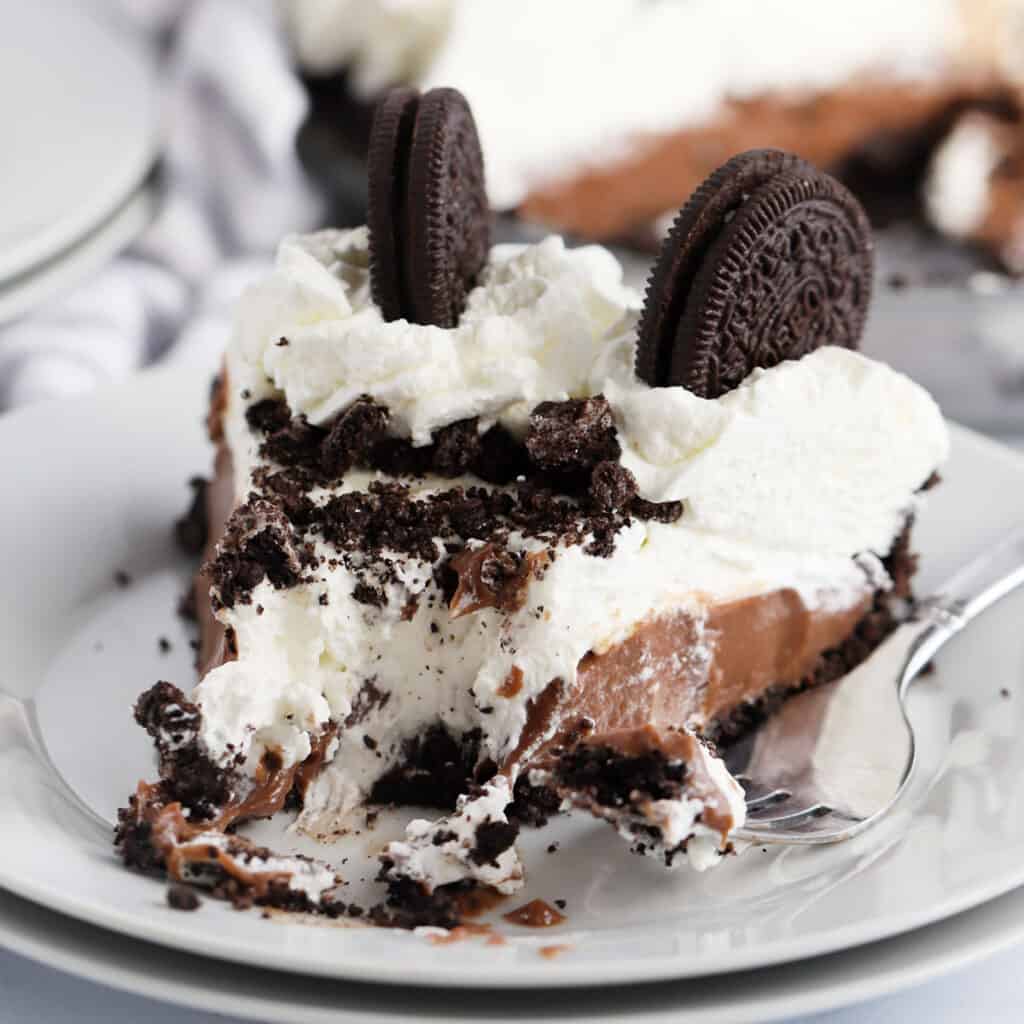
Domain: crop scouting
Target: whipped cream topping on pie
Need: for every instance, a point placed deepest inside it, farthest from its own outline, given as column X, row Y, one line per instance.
column 488, row 569
column 549, row 323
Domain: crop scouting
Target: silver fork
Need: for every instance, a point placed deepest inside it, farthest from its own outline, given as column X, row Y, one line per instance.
column 833, row 760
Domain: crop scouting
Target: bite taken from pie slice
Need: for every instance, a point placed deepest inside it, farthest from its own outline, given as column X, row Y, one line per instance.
column 489, row 534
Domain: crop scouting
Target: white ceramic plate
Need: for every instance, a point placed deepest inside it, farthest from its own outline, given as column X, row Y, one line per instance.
column 78, row 114
column 787, row 991
column 90, row 487
column 62, row 272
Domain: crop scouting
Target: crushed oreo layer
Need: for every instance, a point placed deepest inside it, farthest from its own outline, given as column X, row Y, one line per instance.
column 563, row 486
column 605, row 776
column 434, row 770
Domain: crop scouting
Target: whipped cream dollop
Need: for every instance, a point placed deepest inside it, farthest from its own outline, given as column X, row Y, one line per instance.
column 556, row 86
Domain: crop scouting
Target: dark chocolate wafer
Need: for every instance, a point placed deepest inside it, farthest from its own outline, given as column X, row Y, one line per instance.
column 430, row 225
column 387, row 173
column 694, row 229
column 449, row 216
column 789, row 273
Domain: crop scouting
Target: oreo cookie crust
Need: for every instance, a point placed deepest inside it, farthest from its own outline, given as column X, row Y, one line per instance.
column 429, row 220
column 768, row 260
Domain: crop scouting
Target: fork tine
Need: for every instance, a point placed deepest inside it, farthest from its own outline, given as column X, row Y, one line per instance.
column 776, row 796
column 793, row 818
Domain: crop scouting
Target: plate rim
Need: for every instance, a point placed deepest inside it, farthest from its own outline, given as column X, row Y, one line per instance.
column 125, row 176
column 568, row 974
column 881, row 973
column 62, row 272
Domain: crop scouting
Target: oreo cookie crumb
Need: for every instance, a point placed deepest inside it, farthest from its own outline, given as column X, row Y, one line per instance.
column 188, row 775
column 656, row 511
column 353, row 436
column 608, row 778
column 268, row 416
column 183, row 897
column 192, row 530
column 612, row 486
column 493, row 838
column 258, row 543
column 564, row 486
column 501, row 457
column 366, row 594
column 573, row 435
column 457, row 448
column 297, row 443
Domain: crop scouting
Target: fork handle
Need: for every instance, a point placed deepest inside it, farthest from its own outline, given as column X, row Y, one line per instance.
column 972, row 589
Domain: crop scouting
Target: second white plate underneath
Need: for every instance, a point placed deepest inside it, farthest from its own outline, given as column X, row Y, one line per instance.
column 773, row 993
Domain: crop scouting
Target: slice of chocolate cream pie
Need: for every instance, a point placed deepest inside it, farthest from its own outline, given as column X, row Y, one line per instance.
column 488, row 534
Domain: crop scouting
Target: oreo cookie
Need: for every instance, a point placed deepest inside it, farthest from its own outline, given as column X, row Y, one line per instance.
column 429, row 220
column 768, row 260
column 387, row 173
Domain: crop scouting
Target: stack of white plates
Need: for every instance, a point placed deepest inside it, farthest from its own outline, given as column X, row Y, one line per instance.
column 79, row 119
